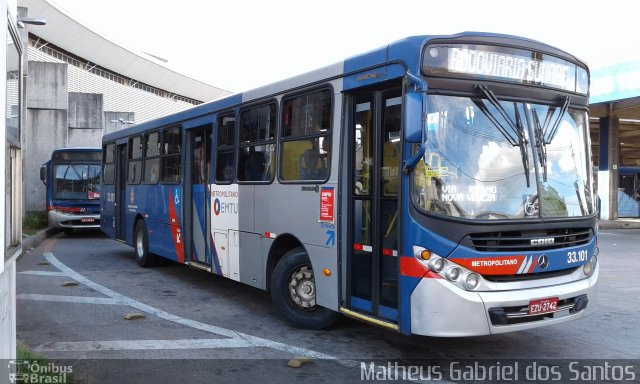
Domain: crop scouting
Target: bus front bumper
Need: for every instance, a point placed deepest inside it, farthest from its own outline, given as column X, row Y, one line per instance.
column 439, row 308
column 59, row 219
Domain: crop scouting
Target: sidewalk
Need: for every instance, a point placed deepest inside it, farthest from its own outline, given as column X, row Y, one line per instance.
column 626, row 223
column 30, row 242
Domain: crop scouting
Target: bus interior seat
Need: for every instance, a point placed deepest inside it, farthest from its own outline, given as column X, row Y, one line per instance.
column 254, row 169
column 290, row 160
column 311, row 165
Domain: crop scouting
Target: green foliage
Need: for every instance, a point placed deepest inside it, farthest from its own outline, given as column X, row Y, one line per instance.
column 34, row 221
column 25, row 355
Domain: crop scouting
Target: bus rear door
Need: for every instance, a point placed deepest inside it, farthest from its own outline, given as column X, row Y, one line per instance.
column 198, row 175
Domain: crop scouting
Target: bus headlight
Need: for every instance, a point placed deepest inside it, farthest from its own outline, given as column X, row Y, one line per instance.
column 453, row 273
column 436, row 265
column 590, row 266
column 471, row 281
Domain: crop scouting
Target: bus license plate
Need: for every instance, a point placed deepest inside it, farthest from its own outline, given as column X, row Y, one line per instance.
column 540, row 306
column 88, row 220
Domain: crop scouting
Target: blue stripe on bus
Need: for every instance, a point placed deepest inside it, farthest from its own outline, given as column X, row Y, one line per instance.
column 214, row 256
column 407, row 285
column 361, row 304
column 388, row 313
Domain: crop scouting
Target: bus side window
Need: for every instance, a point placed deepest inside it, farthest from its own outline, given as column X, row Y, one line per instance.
column 171, row 149
column 257, row 143
column 134, row 173
column 306, row 137
column 225, row 149
column 151, row 158
column 108, row 174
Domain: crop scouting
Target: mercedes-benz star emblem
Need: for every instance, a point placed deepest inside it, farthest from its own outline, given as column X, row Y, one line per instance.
column 543, row 261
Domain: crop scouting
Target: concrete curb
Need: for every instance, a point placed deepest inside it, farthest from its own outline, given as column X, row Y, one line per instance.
column 619, row 224
column 28, row 243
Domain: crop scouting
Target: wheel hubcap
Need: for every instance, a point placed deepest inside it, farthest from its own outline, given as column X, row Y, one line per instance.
column 302, row 288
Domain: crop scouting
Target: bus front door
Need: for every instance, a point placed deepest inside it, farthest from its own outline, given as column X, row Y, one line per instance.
column 198, row 210
column 375, row 150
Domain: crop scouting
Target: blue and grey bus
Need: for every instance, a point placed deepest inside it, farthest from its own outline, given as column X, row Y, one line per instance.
column 439, row 185
column 73, row 178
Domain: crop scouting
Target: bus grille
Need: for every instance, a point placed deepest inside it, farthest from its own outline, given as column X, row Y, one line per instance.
column 521, row 241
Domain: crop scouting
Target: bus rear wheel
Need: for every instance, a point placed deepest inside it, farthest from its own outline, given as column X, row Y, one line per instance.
column 293, row 292
column 141, row 246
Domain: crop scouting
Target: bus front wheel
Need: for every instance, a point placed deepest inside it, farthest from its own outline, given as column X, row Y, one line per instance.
column 293, row 292
column 141, row 245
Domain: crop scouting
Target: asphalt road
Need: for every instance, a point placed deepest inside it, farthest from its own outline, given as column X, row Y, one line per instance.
column 74, row 293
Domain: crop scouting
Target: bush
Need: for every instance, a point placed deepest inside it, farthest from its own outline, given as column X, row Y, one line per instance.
column 34, row 221
column 24, row 355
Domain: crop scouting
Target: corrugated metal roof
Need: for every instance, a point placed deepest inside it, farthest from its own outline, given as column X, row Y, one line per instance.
column 70, row 34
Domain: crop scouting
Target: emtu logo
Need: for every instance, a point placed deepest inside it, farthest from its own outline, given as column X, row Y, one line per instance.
column 216, row 207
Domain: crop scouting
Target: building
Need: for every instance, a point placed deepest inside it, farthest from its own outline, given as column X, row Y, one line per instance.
column 615, row 138
column 81, row 85
column 65, row 85
column 10, row 155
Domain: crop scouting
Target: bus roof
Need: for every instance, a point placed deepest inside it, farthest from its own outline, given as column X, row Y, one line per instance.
column 399, row 50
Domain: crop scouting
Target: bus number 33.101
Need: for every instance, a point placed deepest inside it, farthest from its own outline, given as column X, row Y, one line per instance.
column 577, row 257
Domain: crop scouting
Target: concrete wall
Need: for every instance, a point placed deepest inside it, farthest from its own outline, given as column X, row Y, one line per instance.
column 47, row 131
column 85, row 137
column 51, row 82
column 86, row 122
column 85, row 110
column 112, row 121
column 46, row 127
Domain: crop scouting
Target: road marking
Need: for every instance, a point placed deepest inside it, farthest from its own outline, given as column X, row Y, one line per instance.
column 132, row 345
column 124, row 300
column 44, row 273
column 67, row 299
column 234, row 339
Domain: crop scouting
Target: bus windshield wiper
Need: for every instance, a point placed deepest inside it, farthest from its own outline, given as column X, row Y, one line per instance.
column 517, row 127
column 556, row 123
column 544, row 135
column 541, row 145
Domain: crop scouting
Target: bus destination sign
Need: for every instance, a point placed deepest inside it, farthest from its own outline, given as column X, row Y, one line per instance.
column 506, row 64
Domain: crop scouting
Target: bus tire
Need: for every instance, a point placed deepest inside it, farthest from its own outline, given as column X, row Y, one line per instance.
column 293, row 293
column 141, row 246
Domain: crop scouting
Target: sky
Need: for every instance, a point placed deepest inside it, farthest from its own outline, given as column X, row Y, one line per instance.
column 237, row 45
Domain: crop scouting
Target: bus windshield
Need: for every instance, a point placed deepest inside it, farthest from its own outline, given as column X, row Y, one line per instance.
column 491, row 159
column 76, row 181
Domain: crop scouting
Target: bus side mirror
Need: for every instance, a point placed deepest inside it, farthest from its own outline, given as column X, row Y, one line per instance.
column 43, row 174
column 413, row 123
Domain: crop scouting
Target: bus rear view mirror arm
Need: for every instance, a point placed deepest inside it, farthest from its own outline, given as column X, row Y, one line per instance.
column 410, row 164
